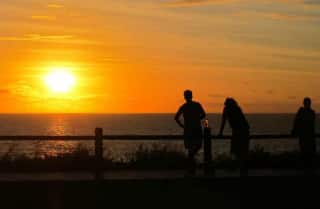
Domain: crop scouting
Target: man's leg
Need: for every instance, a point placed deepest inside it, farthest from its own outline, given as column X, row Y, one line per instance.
column 243, row 166
column 192, row 162
column 310, row 154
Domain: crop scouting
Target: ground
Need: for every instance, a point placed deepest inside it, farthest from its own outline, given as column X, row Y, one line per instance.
column 131, row 191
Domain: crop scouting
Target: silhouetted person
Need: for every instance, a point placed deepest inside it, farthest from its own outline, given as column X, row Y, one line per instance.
column 304, row 128
column 240, row 132
column 192, row 113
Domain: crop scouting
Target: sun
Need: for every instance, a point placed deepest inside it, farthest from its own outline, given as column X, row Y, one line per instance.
column 60, row 80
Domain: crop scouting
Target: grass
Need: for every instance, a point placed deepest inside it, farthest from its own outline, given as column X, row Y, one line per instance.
column 78, row 159
column 259, row 158
column 156, row 157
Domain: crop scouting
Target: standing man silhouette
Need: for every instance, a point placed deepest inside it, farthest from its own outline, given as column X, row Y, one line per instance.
column 304, row 128
column 193, row 114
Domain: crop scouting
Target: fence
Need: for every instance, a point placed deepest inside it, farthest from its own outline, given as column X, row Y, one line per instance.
column 99, row 137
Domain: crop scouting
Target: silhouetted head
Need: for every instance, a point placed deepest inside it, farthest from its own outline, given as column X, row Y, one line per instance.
column 188, row 95
column 230, row 102
column 307, row 102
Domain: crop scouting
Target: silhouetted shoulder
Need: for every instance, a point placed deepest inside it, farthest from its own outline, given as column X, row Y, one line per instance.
column 197, row 104
column 182, row 107
column 224, row 110
column 194, row 104
column 180, row 111
column 190, row 105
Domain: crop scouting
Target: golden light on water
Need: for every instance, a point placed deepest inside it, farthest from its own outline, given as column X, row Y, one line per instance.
column 60, row 80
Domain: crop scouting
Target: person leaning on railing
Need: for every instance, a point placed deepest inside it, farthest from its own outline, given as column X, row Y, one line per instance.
column 240, row 133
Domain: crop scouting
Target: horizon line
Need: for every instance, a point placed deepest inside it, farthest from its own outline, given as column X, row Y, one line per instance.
column 121, row 113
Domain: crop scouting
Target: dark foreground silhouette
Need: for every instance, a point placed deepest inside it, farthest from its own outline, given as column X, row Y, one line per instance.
column 260, row 192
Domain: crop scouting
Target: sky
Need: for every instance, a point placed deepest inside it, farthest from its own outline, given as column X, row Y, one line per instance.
column 139, row 56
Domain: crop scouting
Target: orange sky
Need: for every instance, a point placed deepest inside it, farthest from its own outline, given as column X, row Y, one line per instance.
column 138, row 56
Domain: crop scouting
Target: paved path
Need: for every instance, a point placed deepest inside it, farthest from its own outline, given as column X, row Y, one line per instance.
column 136, row 175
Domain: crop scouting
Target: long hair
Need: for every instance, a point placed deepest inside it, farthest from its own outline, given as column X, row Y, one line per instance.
column 231, row 103
column 235, row 110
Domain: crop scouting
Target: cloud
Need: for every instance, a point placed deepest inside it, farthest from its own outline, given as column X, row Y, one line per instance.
column 114, row 60
column 23, row 90
column 36, row 37
column 312, row 2
column 186, row 3
column 55, row 6
column 217, row 96
column 280, row 15
column 291, row 17
column 292, row 98
column 48, row 38
column 297, row 57
column 275, row 13
column 26, row 91
column 4, row 91
column 270, row 92
column 43, row 17
column 198, row 2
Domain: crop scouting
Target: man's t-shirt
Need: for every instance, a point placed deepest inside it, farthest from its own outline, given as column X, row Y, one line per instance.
column 192, row 113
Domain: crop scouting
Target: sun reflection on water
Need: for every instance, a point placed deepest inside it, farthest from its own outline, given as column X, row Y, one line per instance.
column 58, row 127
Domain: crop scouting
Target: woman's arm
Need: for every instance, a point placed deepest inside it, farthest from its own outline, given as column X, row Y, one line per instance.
column 296, row 123
column 223, row 122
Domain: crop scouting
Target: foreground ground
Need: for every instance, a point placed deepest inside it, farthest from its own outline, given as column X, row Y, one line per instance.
column 159, row 189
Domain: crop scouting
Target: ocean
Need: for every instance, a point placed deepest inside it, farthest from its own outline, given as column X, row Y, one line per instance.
column 143, row 124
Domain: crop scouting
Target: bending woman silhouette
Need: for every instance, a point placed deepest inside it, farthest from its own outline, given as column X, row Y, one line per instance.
column 240, row 132
column 192, row 113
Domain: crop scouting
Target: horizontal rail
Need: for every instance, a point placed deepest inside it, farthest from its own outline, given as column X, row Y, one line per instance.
column 46, row 138
column 180, row 137
column 134, row 137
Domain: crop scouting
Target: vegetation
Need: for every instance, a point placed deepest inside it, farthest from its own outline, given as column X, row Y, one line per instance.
column 259, row 158
column 156, row 157
column 78, row 159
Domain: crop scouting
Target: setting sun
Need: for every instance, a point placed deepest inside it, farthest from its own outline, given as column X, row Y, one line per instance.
column 60, row 80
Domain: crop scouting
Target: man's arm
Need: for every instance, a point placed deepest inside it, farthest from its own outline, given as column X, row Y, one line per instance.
column 202, row 112
column 177, row 118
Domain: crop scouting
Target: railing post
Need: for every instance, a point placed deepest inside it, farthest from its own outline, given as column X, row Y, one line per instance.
column 208, row 167
column 98, row 153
